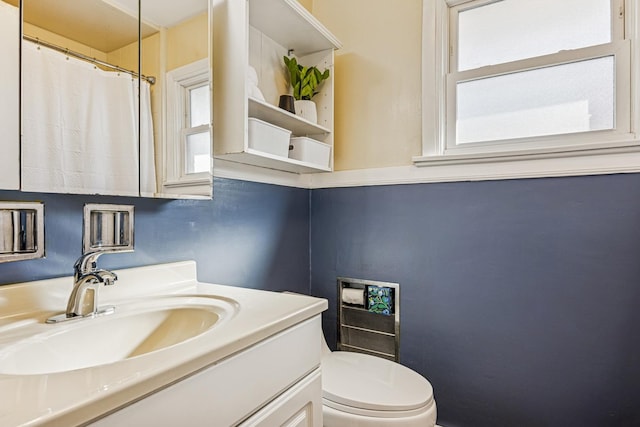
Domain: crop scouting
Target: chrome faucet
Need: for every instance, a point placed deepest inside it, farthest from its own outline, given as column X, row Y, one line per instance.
column 87, row 279
column 106, row 229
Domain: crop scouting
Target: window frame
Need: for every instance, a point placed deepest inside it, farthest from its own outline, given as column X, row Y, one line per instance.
column 439, row 84
column 178, row 84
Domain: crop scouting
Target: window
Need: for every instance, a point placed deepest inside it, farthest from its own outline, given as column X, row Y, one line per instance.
column 188, row 132
column 518, row 77
column 195, row 133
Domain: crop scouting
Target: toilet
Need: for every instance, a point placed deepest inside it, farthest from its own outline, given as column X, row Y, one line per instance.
column 359, row 390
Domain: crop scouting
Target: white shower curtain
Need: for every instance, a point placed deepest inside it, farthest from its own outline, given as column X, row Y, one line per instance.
column 147, row 150
column 79, row 127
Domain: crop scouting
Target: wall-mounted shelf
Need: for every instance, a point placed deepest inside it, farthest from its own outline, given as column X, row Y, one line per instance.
column 361, row 329
column 270, row 161
column 289, row 24
column 279, row 117
column 258, row 33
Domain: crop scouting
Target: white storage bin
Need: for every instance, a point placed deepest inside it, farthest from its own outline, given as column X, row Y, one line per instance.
column 310, row 151
column 268, row 138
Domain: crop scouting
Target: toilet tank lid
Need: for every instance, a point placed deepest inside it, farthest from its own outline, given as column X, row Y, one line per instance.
column 369, row 382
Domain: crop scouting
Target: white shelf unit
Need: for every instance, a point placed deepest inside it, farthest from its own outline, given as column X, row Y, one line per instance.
column 258, row 33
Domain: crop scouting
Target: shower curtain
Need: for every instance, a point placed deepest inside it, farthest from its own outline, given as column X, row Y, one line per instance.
column 80, row 127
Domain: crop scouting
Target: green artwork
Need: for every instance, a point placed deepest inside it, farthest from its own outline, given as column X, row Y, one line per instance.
column 380, row 300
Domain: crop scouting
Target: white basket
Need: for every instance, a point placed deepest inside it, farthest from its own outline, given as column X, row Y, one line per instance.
column 310, row 151
column 268, row 138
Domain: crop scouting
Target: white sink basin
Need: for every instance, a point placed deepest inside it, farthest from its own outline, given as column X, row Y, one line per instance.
column 136, row 328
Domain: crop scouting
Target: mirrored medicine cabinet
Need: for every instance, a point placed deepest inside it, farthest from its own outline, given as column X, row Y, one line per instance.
column 115, row 97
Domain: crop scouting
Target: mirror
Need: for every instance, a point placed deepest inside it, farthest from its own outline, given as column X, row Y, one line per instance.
column 79, row 99
column 89, row 125
column 179, row 55
column 9, row 96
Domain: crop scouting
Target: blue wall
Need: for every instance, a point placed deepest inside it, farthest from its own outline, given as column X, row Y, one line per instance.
column 520, row 300
column 253, row 235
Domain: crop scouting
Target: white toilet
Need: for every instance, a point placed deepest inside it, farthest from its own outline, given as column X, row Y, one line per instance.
column 359, row 390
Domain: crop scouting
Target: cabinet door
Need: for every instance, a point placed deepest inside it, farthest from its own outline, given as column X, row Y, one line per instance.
column 177, row 54
column 300, row 406
column 233, row 389
column 9, row 96
column 79, row 98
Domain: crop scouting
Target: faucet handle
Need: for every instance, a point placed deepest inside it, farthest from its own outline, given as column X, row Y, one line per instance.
column 108, row 277
column 87, row 263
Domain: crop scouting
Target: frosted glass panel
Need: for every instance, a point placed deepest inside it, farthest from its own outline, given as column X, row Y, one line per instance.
column 198, row 153
column 199, row 106
column 510, row 30
column 562, row 99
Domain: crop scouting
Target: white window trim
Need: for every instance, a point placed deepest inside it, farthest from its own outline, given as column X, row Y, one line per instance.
column 435, row 42
column 175, row 179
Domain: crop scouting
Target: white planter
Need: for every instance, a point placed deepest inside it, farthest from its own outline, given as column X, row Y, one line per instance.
column 307, row 110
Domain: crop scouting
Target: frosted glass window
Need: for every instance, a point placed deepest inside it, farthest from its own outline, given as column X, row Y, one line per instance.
column 511, row 30
column 199, row 106
column 198, row 150
column 561, row 99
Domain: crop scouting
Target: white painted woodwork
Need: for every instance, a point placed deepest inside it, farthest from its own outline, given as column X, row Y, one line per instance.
column 259, row 33
column 9, row 97
column 277, row 379
column 300, row 406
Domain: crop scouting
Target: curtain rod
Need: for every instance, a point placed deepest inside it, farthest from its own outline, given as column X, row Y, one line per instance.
column 150, row 79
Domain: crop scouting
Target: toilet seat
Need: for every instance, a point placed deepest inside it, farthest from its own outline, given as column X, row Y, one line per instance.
column 371, row 386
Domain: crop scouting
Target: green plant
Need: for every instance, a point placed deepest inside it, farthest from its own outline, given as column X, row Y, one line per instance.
column 304, row 80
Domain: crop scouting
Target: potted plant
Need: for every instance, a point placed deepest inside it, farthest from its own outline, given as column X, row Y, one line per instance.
column 304, row 82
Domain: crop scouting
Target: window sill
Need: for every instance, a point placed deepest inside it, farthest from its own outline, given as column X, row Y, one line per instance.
column 597, row 159
column 623, row 158
column 598, row 149
column 194, row 187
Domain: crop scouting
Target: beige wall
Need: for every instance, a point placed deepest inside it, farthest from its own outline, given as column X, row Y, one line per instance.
column 187, row 42
column 308, row 4
column 378, row 81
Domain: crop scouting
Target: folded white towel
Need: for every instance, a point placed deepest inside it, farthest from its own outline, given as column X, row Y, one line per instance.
column 252, row 76
column 252, row 85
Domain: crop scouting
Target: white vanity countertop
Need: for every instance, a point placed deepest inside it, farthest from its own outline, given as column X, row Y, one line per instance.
column 77, row 396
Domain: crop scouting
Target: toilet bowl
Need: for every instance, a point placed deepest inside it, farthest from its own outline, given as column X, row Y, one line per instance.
column 359, row 390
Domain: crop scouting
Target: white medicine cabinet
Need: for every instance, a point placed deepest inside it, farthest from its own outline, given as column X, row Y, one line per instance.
column 258, row 34
column 9, row 96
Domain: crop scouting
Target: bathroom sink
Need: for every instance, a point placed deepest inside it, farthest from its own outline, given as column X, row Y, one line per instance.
column 135, row 329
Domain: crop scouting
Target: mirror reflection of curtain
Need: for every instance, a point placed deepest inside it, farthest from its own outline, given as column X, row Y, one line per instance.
column 147, row 150
column 79, row 127
column 9, row 83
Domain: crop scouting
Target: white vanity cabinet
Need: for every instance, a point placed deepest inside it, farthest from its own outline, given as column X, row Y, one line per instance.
column 275, row 382
column 9, row 96
column 258, row 33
